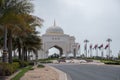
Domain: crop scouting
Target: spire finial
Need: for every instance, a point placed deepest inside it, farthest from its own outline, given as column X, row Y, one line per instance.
column 54, row 23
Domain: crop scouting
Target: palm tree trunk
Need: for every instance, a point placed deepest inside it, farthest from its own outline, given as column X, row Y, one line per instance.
column 15, row 56
column 23, row 52
column 19, row 50
column 26, row 54
column 5, row 57
column 10, row 46
column 36, row 56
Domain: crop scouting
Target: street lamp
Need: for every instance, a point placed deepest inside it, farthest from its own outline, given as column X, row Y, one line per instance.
column 5, row 56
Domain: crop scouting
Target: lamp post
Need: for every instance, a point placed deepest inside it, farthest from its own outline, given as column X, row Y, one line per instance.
column 5, row 56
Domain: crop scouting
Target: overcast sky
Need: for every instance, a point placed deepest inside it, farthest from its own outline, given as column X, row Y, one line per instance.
column 95, row 20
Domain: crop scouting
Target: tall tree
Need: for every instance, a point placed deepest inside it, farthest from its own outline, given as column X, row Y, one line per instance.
column 13, row 17
column 31, row 43
column 109, row 50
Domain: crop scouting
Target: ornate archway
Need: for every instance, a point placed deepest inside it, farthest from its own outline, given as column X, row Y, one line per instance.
column 55, row 37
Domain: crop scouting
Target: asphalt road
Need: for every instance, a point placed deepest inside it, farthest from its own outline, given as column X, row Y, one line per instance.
column 90, row 72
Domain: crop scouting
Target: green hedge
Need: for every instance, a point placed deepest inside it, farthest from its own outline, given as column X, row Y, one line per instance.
column 40, row 66
column 23, row 63
column 7, row 69
column 15, row 65
column 112, row 62
column 45, row 60
column 31, row 63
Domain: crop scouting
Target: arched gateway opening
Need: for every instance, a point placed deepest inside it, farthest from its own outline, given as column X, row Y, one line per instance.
column 55, row 50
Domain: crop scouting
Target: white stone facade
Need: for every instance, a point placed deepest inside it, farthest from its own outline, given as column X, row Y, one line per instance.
column 55, row 37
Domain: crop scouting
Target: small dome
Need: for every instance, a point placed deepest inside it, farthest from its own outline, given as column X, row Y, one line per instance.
column 54, row 30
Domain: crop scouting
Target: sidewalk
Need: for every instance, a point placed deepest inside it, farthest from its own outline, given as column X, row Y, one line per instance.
column 46, row 73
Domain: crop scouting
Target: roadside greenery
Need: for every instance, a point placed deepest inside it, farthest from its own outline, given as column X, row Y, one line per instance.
column 111, row 62
column 18, row 29
column 48, row 60
column 40, row 66
column 18, row 34
column 21, row 73
column 7, row 69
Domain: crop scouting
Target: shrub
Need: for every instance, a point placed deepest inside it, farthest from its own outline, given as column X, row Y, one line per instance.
column 31, row 69
column 16, row 60
column 23, row 63
column 7, row 69
column 31, row 63
column 40, row 66
column 112, row 62
column 45, row 61
column 16, row 65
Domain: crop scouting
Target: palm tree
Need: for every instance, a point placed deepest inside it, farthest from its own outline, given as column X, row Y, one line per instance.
column 13, row 19
column 86, row 41
column 109, row 40
column 31, row 43
column 34, row 21
column 21, row 38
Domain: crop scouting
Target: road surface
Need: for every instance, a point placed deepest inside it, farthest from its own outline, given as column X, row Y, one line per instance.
column 90, row 71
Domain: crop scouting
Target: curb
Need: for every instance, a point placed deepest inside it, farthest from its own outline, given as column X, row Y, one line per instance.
column 62, row 75
column 13, row 75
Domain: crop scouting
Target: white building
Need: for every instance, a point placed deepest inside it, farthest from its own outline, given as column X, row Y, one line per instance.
column 55, row 37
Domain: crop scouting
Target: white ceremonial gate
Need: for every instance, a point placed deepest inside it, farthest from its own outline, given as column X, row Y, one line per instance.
column 55, row 37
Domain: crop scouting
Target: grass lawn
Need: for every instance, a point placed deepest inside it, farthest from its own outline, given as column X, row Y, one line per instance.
column 21, row 73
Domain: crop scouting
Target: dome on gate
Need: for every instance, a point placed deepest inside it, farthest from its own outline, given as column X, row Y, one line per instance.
column 54, row 30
